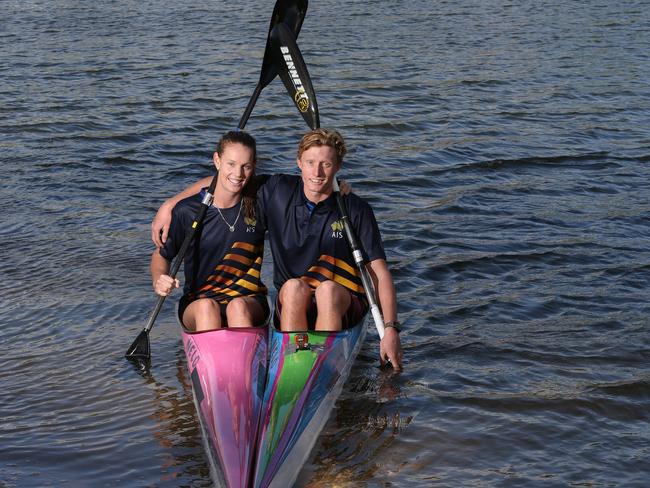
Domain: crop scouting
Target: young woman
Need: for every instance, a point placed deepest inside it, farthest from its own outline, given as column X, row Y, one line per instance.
column 222, row 287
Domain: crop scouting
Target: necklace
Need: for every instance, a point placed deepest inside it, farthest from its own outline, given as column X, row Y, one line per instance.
column 230, row 227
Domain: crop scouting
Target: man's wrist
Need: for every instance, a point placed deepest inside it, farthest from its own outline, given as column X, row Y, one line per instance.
column 394, row 324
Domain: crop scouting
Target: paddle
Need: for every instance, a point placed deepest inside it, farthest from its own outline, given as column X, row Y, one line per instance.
column 295, row 77
column 290, row 14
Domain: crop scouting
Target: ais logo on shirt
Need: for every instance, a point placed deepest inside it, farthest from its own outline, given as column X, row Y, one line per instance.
column 337, row 229
column 250, row 224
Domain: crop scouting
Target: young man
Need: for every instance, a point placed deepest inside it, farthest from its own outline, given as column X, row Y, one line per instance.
column 314, row 272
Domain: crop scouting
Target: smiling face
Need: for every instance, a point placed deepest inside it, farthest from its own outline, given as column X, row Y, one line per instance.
column 235, row 165
column 318, row 166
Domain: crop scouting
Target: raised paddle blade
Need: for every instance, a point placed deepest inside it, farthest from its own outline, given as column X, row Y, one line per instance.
column 290, row 13
column 294, row 74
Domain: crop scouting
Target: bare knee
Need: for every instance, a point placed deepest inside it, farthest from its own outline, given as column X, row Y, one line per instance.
column 236, row 307
column 202, row 314
column 205, row 305
column 238, row 313
column 329, row 292
column 294, row 290
column 295, row 299
column 332, row 301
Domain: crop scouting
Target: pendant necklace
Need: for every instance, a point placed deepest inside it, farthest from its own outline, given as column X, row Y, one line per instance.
column 230, row 227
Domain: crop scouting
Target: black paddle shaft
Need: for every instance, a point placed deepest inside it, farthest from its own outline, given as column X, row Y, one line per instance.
column 290, row 13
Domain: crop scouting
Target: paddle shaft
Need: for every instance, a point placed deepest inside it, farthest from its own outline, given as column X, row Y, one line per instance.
column 178, row 260
column 357, row 254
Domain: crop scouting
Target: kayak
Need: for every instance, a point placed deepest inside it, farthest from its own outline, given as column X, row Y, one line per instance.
column 263, row 396
column 306, row 374
column 228, row 370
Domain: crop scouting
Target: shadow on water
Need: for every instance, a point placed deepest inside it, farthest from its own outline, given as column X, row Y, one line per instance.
column 357, row 443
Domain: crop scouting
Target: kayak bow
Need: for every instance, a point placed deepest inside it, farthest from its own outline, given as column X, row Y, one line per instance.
column 307, row 371
column 259, row 426
column 227, row 368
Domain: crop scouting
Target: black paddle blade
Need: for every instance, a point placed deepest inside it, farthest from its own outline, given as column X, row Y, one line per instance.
column 290, row 13
column 140, row 350
column 294, row 74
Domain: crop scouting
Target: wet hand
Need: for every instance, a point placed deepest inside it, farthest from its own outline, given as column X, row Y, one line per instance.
column 390, row 349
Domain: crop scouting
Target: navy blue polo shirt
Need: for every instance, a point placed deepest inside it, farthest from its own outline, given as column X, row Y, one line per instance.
column 311, row 244
column 219, row 264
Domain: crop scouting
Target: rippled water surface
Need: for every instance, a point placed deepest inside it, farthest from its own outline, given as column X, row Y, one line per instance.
column 505, row 147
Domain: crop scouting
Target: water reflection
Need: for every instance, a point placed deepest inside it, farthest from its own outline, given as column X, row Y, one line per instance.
column 504, row 148
column 176, row 427
column 366, row 425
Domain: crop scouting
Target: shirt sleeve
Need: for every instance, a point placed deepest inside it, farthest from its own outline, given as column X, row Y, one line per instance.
column 266, row 186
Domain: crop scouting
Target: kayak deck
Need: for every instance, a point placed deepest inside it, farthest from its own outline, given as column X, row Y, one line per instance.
column 307, row 371
column 228, row 371
column 263, row 396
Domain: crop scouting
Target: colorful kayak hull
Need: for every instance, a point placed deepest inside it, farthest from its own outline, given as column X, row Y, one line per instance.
column 305, row 377
column 228, row 370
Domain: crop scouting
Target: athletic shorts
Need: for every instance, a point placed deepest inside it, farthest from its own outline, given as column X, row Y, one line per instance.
column 354, row 314
column 261, row 299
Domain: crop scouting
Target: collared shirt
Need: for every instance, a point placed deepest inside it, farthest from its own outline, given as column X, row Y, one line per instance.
column 219, row 264
column 311, row 245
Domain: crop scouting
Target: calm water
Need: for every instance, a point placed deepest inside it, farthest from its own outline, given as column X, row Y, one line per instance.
column 505, row 147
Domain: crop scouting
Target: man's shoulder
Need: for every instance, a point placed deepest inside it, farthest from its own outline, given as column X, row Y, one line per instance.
column 284, row 179
column 281, row 185
column 356, row 202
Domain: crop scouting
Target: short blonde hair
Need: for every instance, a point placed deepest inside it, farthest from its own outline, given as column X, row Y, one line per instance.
column 323, row 137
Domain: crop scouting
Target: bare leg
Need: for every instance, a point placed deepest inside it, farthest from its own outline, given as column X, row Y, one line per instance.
column 332, row 301
column 202, row 314
column 244, row 312
column 295, row 297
